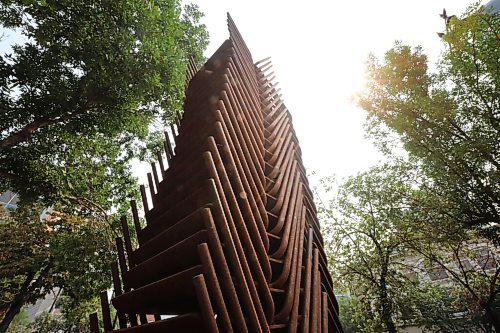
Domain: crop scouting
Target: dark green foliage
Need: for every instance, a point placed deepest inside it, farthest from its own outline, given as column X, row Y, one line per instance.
column 385, row 232
column 350, row 318
column 92, row 86
column 438, row 202
column 79, row 97
column 368, row 235
column 65, row 251
column 442, row 312
column 72, row 319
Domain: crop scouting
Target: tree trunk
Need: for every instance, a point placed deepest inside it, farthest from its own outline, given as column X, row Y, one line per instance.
column 386, row 303
column 16, row 304
column 23, row 295
column 29, row 130
column 493, row 317
column 391, row 327
column 387, row 315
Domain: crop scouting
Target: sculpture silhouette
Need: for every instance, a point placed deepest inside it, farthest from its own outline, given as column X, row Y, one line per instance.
column 232, row 241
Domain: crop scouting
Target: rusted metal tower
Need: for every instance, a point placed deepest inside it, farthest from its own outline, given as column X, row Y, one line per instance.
column 232, row 241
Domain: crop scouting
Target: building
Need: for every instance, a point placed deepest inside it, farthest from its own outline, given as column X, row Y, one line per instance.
column 494, row 5
column 482, row 263
column 9, row 200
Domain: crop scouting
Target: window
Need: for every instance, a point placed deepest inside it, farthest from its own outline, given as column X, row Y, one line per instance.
column 412, row 276
column 464, row 265
column 485, row 259
column 437, row 273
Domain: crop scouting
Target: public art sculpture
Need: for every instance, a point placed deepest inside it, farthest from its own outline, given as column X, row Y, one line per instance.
column 232, row 242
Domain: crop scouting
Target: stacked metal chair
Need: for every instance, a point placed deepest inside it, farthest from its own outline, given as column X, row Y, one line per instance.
column 232, row 242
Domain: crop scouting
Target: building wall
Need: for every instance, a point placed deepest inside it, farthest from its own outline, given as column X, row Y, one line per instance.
column 9, row 199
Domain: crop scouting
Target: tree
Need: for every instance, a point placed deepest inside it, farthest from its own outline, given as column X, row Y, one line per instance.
column 73, row 317
column 82, row 93
column 387, row 233
column 440, row 311
column 366, row 221
column 90, row 88
column 65, row 251
column 441, row 200
column 351, row 320
column 20, row 323
column 464, row 255
column 448, row 120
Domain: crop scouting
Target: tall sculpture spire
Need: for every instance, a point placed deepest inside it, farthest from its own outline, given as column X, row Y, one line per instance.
column 232, row 241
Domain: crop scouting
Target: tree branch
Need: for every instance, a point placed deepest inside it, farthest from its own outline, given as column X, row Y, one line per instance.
column 27, row 131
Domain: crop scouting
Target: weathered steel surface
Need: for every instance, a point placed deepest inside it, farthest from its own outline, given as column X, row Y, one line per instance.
column 232, row 241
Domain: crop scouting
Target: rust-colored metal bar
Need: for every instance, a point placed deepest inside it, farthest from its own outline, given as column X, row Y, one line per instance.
column 135, row 218
column 106, row 315
column 117, row 286
column 94, row 323
column 211, row 277
column 144, row 198
column 151, row 187
column 232, row 241
column 205, row 306
column 155, row 174
column 168, row 148
column 126, row 236
column 162, row 165
column 174, row 135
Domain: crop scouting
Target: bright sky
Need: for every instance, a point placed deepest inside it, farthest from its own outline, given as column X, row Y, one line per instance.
column 319, row 48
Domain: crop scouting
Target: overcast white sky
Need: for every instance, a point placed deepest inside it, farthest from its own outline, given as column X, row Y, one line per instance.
column 319, row 48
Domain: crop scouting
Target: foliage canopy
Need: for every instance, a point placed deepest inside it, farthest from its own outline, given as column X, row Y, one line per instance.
column 439, row 201
column 448, row 120
column 90, row 87
column 79, row 97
